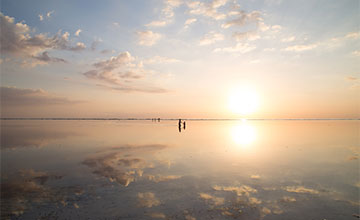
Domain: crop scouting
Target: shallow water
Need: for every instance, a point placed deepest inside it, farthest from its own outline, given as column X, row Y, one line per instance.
column 210, row 170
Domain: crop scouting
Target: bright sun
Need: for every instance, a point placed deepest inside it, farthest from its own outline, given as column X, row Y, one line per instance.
column 243, row 100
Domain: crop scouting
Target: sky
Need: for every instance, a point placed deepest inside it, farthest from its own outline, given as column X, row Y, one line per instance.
column 180, row 58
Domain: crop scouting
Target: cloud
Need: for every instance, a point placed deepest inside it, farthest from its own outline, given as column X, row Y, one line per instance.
column 214, row 199
column 356, row 53
column 211, row 38
column 256, row 177
column 245, row 18
column 27, row 189
column 351, row 78
column 45, row 58
column 117, row 164
column 147, row 38
column 269, row 49
column 288, row 199
column 208, row 9
column 189, row 21
column 288, row 39
column 167, row 13
column 49, row 14
column 16, row 39
column 41, row 17
column 12, row 96
column 238, row 48
column 95, row 44
column 160, row 60
column 145, row 89
column 120, row 71
column 239, row 190
column 161, row 178
column 301, row 189
column 250, row 35
column 157, row 215
column 276, row 28
column 148, row 199
column 77, row 33
column 353, row 35
column 104, row 70
column 301, row 47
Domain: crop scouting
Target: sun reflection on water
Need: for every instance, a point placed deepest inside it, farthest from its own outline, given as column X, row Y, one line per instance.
column 243, row 133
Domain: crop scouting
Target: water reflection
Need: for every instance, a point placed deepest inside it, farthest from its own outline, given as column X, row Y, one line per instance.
column 123, row 170
column 243, row 133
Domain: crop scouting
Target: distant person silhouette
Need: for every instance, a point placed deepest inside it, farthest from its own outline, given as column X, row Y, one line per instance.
column 158, row 119
column 179, row 125
column 184, row 125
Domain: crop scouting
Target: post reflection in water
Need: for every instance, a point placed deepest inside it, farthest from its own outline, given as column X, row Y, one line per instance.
column 243, row 133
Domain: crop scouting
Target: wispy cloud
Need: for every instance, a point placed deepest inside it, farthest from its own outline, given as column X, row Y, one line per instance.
column 189, row 21
column 250, row 36
column 77, row 33
column 238, row 48
column 301, row 47
column 211, row 38
column 147, row 38
column 12, row 96
column 160, row 60
column 288, row 39
column 244, row 18
column 208, row 9
column 49, row 14
column 356, row 53
column 167, row 13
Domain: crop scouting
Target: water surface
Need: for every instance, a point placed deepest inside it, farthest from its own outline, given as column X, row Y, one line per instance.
column 150, row 170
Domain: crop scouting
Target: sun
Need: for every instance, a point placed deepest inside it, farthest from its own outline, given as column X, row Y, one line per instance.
column 243, row 100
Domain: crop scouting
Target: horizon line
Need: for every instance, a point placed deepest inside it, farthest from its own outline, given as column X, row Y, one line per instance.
column 172, row 119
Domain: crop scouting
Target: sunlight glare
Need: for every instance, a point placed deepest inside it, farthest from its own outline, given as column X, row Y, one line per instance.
column 243, row 134
column 243, row 100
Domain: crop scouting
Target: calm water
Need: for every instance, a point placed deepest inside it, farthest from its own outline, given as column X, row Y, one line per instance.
column 150, row 170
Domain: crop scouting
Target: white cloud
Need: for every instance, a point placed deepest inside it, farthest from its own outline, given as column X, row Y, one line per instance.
column 301, row 47
column 49, row 13
column 147, row 38
column 288, row 39
column 239, row 47
column 211, row 38
column 353, row 35
column 276, row 28
column 245, row 19
column 77, row 33
column 251, row 36
column 356, row 53
column 160, row 60
column 121, row 73
column 189, row 21
column 167, row 13
column 157, row 23
column 16, row 39
column 115, row 69
column 41, row 17
column 209, row 9
column 269, row 49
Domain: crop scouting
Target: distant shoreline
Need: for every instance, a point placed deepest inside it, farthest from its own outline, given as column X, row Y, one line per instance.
column 189, row 119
